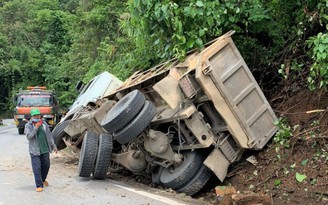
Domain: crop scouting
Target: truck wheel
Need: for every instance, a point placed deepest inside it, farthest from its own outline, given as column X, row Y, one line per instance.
column 88, row 154
column 137, row 125
column 176, row 178
column 199, row 180
column 21, row 130
column 58, row 134
column 123, row 111
column 103, row 157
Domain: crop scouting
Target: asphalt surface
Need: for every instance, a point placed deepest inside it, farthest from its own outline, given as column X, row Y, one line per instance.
column 17, row 182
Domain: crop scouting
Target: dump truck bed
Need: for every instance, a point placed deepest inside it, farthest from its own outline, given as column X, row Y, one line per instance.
column 228, row 81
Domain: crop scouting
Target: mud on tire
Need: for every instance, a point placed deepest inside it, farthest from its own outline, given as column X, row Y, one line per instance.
column 58, row 134
column 88, row 154
column 199, row 180
column 180, row 176
column 123, row 111
column 103, row 157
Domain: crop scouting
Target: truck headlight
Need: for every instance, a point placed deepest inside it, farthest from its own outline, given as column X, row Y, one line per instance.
column 51, row 122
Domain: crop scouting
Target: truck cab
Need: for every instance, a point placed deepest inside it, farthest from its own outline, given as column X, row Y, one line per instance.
column 89, row 93
column 35, row 97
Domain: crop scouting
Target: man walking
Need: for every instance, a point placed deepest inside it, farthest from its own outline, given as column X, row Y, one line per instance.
column 41, row 143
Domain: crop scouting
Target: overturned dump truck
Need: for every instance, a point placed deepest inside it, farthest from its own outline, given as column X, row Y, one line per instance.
column 178, row 122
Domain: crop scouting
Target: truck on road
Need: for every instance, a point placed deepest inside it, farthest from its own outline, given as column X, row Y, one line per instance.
column 35, row 97
column 178, row 122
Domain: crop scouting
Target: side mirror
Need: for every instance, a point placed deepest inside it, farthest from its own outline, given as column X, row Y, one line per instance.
column 79, row 86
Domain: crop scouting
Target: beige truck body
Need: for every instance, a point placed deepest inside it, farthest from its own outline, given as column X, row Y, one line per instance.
column 211, row 100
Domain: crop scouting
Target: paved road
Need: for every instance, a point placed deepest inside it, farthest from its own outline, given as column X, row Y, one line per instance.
column 17, row 183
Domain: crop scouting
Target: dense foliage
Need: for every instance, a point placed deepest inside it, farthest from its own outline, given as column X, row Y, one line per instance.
column 58, row 42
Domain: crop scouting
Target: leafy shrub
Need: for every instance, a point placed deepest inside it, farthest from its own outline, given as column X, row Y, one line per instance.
column 284, row 133
column 318, row 76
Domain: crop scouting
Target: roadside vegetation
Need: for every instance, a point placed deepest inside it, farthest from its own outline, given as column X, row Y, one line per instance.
column 56, row 43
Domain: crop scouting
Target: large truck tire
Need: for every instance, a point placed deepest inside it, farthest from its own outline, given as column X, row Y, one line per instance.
column 137, row 125
column 105, row 148
column 88, row 154
column 59, row 133
column 199, row 180
column 176, row 178
column 21, row 130
column 123, row 111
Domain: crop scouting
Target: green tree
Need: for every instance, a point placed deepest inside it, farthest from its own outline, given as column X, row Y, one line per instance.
column 36, row 33
column 175, row 27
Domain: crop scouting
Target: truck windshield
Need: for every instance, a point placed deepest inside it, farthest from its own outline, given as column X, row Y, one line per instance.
column 34, row 100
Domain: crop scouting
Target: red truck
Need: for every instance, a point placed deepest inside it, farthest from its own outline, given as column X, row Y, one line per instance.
column 36, row 97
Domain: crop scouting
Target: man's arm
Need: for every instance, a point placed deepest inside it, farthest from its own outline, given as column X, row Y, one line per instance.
column 31, row 131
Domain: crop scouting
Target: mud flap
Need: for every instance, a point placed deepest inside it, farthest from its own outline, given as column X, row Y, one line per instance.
column 218, row 163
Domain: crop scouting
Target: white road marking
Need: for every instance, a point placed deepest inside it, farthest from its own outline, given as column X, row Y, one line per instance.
column 153, row 196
